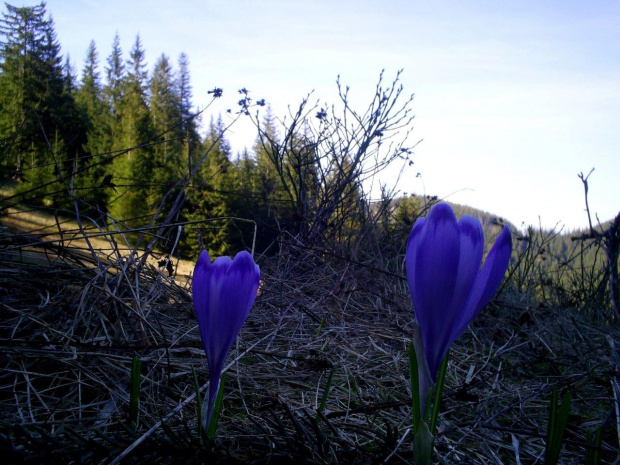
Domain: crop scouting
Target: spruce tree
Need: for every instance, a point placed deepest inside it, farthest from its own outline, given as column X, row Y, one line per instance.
column 166, row 120
column 245, row 202
column 96, row 114
column 21, row 88
column 131, row 127
column 113, row 92
column 191, row 153
column 190, row 123
column 211, row 196
column 95, row 109
column 137, row 65
column 69, row 77
column 37, row 122
column 73, row 132
column 266, row 150
column 115, row 72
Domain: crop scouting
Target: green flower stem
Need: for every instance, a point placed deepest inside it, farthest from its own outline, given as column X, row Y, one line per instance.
column 424, row 437
column 217, row 407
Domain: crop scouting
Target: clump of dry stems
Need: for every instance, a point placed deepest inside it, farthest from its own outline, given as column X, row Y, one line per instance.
column 71, row 325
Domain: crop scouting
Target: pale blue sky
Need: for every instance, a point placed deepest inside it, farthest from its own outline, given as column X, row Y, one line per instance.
column 512, row 98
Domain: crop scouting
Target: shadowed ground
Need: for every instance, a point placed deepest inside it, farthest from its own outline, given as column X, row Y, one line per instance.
column 70, row 330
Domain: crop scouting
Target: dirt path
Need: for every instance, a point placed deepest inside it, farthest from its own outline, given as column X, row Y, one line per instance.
column 45, row 226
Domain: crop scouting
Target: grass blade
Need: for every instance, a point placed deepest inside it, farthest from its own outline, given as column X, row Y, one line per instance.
column 593, row 456
column 558, row 418
column 415, row 388
column 324, row 396
column 201, row 430
column 217, row 407
column 441, row 381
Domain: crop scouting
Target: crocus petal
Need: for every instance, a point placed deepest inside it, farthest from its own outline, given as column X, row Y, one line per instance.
column 472, row 247
column 217, row 329
column 200, row 291
column 489, row 279
column 411, row 254
column 239, row 291
column 236, row 296
column 435, row 259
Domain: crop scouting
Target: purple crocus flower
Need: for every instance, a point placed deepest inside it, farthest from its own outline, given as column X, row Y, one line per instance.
column 223, row 295
column 446, row 284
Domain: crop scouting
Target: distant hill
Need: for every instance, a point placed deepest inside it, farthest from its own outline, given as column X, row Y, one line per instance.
column 409, row 208
column 557, row 258
column 418, row 205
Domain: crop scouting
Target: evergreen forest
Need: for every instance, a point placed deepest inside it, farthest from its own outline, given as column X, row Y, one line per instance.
column 122, row 138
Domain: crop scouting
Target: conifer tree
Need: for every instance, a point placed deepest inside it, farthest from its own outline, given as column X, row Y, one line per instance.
column 246, row 179
column 97, row 118
column 36, row 119
column 69, row 77
column 192, row 150
column 137, row 65
column 113, row 92
column 274, row 180
column 21, row 66
column 131, row 128
column 190, row 125
column 115, row 72
column 90, row 99
column 212, row 194
column 134, row 111
column 266, row 150
column 74, row 131
column 245, row 203
column 166, row 119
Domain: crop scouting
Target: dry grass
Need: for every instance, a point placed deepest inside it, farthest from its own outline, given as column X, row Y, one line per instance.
column 71, row 324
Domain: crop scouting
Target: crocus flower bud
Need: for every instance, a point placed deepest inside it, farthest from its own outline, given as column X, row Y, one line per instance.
column 447, row 286
column 223, row 295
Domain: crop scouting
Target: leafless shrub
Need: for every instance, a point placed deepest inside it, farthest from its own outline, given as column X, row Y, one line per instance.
column 609, row 240
column 328, row 169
